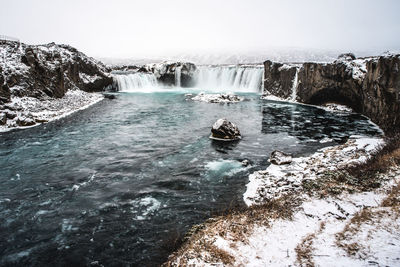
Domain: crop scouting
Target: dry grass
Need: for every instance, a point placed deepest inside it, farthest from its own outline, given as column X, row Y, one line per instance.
column 380, row 162
column 350, row 230
column 304, row 250
column 371, row 216
column 393, row 198
column 236, row 226
column 359, row 177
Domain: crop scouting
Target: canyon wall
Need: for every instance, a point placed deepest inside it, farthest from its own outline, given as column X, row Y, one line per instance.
column 370, row 86
column 47, row 70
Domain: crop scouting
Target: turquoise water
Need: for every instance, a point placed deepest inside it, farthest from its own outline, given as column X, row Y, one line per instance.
column 118, row 183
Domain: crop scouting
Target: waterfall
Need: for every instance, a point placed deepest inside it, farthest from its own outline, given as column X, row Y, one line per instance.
column 135, row 81
column 205, row 78
column 178, row 70
column 230, row 78
column 294, row 86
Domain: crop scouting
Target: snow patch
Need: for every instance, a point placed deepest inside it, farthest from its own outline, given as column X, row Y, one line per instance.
column 40, row 111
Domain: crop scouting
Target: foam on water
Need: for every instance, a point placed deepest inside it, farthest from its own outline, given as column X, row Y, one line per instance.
column 145, row 207
column 222, row 168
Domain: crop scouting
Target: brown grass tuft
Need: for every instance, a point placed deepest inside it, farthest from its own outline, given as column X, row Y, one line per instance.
column 359, row 177
column 304, row 250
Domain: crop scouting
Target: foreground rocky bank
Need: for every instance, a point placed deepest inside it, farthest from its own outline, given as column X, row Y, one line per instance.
column 308, row 213
column 41, row 73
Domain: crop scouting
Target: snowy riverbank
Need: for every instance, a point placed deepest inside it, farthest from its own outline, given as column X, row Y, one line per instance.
column 293, row 225
column 23, row 112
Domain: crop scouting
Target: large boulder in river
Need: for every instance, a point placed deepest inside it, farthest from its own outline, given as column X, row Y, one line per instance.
column 280, row 158
column 225, row 130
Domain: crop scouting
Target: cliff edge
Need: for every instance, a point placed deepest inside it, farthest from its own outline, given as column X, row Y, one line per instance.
column 370, row 85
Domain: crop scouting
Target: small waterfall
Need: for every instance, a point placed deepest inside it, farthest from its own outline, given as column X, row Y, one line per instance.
column 135, row 81
column 294, row 86
column 230, row 78
column 178, row 71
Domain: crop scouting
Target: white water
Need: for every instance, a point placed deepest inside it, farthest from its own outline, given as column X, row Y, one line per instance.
column 230, row 78
column 207, row 78
column 294, row 86
column 136, row 82
column 178, row 76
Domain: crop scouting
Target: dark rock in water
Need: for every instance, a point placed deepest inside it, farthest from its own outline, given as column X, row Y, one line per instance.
column 25, row 122
column 3, row 118
column 245, row 162
column 109, row 96
column 280, row 158
column 225, row 130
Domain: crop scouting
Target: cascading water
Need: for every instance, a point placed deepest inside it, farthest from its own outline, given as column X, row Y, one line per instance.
column 135, row 81
column 206, row 78
column 178, row 71
column 229, row 78
column 294, row 86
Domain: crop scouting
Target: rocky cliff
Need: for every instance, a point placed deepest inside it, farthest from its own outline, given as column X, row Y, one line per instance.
column 370, row 86
column 47, row 70
column 39, row 83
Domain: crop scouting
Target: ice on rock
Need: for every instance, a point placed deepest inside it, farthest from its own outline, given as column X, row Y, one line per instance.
column 217, row 98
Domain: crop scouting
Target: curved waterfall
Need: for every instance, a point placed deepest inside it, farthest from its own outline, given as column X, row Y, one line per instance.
column 230, row 78
column 135, row 81
column 205, row 78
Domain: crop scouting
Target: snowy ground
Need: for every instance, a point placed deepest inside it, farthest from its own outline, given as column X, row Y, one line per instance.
column 344, row 229
column 24, row 112
column 326, row 232
column 278, row 180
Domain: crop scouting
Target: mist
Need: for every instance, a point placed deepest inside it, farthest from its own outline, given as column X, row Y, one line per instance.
column 178, row 28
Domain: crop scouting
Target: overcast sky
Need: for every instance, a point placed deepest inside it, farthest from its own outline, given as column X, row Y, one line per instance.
column 146, row 28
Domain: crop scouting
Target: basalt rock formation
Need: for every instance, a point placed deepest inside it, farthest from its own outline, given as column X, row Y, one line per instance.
column 47, row 70
column 370, row 85
column 278, row 78
column 167, row 72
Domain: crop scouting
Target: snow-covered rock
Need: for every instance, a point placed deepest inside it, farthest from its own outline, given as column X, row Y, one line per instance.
column 370, row 85
column 225, row 130
column 217, row 98
column 47, row 70
column 39, row 83
column 26, row 111
column 279, row 180
column 280, row 158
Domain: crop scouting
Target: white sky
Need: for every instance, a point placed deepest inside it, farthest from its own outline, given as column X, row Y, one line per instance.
column 150, row 28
